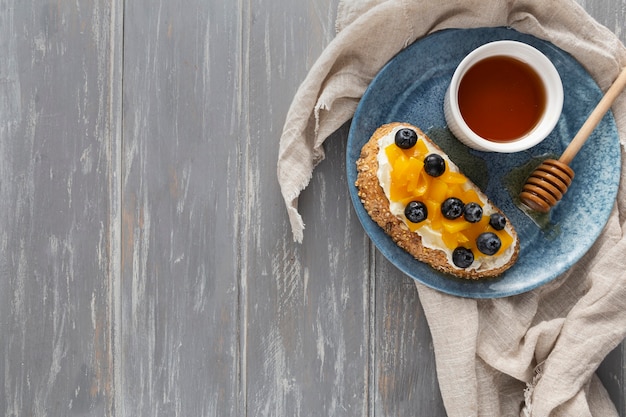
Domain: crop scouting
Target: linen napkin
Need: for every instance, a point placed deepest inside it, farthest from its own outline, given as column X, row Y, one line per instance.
column 533, row 354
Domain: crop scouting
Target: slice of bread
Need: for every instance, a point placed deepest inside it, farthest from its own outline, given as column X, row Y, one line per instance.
column 434, row 239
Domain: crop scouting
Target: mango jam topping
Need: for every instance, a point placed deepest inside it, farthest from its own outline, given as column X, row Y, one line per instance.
column 410, row 181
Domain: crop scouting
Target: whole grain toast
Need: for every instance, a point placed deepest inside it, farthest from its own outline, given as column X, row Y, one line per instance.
column 377, row 205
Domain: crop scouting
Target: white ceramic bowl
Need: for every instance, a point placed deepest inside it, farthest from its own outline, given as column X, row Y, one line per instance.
column 548, row 75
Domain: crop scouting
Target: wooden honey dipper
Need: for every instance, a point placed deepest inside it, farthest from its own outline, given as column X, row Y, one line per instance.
column 547, row 184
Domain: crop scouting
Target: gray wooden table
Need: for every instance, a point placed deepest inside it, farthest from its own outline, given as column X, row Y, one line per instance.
column 146, row 262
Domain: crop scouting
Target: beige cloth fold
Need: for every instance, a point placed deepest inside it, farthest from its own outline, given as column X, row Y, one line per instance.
column 531, row 354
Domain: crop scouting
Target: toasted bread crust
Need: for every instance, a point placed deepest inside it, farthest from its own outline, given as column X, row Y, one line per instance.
column 377, row 205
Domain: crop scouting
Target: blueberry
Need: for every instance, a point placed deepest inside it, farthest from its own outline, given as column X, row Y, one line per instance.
column 488, row 243
column 497, row 221
column 473, row 212
column 462, row 257
column 416, row 211
column 434, row 165
column 406, row 138
column 452, row 208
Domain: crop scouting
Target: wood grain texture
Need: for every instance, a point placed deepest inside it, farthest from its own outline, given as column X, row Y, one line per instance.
column 182, row 181
column 307, row 306
column 54, row 225
column 146, row 263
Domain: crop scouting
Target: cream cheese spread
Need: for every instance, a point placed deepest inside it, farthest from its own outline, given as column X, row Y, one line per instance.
column 432, row 238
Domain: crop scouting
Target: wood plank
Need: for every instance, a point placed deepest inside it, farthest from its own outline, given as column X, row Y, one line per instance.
column 54, row 221
column 405, row 373
column 307, row 306
column 182, row 183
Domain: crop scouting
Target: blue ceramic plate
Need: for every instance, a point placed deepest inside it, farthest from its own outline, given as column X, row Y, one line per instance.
column 411, row 87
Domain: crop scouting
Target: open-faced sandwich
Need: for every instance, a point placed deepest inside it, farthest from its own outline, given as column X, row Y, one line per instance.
column 422, row 200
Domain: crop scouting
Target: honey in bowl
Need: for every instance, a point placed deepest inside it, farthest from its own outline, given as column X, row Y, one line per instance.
column 501, row 98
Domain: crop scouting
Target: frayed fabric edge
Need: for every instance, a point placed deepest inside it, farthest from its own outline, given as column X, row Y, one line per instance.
column 291, row 201
column 297, row 224
column 527, row 410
